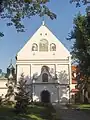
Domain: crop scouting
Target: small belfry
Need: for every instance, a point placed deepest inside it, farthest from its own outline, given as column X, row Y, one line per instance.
column 11, row 72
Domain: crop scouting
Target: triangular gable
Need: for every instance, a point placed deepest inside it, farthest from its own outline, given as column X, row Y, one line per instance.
column 43, row 33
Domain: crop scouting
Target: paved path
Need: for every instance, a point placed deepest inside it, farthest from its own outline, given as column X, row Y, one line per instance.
column 63, row 113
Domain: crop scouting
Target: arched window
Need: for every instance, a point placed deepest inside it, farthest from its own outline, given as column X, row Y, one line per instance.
column 52, row 47
column 45, row 68
column 34, row 47
column 43, row 45
column 44, row 77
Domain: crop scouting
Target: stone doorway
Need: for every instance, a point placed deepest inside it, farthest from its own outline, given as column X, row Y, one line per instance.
column 45, row 96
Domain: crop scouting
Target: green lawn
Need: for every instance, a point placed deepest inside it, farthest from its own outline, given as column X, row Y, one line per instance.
column 81, row 106
column 84, row 106
column 35, row 112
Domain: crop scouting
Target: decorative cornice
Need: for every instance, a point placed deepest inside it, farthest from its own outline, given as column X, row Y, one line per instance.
column 3, row 88
column 44, row 83
column 45, row 60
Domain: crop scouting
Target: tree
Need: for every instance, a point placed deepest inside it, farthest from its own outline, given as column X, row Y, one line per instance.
column 22, row 96
column 84, row 2
column 16, row 10
column 9, row 97
column 81, row 48
column 79, row 2
column 81, row 36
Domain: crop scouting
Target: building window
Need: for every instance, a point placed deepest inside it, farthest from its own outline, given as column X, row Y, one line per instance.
column 34, row 47
column 52, row 47
column 44, row 77
column 43, row 45
column 45, row 68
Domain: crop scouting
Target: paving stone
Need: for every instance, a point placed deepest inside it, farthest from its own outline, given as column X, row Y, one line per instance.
column 63, row 113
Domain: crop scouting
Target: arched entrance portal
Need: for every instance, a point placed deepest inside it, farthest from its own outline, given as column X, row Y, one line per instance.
column 45, row 96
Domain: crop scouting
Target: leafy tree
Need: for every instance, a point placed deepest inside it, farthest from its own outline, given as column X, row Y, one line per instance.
column 1, row 100
column 79, row 2
column 22, row 96
column 81, row 48
column 16, row 10
column 7, row 99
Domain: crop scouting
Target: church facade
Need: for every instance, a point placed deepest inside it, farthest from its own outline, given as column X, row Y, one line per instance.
column 46, row 65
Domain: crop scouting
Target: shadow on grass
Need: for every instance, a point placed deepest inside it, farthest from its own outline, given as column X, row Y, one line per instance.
column 44, row 112
column 35, row 112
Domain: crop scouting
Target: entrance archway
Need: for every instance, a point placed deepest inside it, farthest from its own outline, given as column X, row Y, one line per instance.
column 45, row 96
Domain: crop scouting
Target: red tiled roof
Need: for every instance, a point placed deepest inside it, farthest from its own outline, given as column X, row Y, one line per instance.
column 74, row 81
column 73, row 68
column 74, row 90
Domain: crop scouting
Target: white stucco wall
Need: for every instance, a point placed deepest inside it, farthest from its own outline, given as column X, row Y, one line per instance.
column 36, row 68
column 25, row 69
column 3, row 88
column 51, row 88
column 31, row 69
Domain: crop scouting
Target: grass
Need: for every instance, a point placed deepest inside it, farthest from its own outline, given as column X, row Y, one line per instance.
column 84, row 106
column 35, row 112
column 81, row 106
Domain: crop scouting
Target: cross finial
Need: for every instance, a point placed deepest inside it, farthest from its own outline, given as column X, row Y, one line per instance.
column 43, row 21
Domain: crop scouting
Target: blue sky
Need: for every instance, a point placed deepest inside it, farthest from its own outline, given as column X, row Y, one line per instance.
column 11, row 43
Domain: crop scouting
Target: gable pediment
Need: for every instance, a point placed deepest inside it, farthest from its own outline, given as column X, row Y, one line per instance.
column 43, row 45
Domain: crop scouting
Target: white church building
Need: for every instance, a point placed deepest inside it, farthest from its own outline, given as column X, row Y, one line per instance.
column 46, row 64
